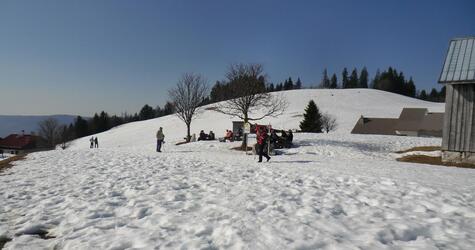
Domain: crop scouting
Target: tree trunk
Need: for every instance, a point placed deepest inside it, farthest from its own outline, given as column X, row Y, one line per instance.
column 244, row 137
column 188, row 136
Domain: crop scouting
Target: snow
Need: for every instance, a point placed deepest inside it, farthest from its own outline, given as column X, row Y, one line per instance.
column 331, row 191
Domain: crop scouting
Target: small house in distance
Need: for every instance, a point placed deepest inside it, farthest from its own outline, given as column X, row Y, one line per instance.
column 19, row 144
column 458, row 75
column 411, row 122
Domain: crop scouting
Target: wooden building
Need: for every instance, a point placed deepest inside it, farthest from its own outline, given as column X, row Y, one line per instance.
column 458, row 75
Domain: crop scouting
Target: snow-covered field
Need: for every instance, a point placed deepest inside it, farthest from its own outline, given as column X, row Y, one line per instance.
column 331, row 191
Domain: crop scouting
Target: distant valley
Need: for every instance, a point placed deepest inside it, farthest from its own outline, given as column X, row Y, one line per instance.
column 10, row 124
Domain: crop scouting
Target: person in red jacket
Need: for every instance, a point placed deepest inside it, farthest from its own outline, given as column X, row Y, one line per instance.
column 261, row 136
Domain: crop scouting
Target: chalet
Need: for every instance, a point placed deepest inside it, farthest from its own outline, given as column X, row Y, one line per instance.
column 18, row 144
column 458, row 75
column 411, row 122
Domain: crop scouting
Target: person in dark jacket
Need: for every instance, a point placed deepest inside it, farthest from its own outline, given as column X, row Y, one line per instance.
column 96, row 143
column 262, row 139
column 92, row 142
column 202, row 136
column 211, row 136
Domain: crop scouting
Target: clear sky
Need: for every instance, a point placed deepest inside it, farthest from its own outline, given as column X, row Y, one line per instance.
column 81, row 57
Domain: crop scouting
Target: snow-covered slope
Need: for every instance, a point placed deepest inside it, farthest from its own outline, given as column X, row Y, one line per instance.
column 346, row 104
column 330, row 191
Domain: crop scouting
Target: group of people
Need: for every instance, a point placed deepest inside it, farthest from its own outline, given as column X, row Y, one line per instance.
column 94, row 142
column 206, row 137
column 282, row 141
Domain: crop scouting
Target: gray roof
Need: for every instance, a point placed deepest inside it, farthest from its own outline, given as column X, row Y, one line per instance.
column 459, row 65
column 377, row 126
column 412, row 114
column 410, row 120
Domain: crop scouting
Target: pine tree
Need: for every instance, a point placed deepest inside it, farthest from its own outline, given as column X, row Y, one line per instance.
column 423, row 95
column 375, row 81
column 81, row 127
column 312, row 119
column 270, row 88
column 442, row 94
column 289, row 84
column 146, row 113
column 298, row 84
column 410, row 88
column 344, row 79
column 168, row 109
column 278, row 87
column 434, row 95
column 353, row 81
column 333, row 82
column 325, row 83
column 363, row 81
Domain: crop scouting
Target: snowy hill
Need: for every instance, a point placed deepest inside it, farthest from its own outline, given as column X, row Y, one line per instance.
column 329, row 191
column 346, row 104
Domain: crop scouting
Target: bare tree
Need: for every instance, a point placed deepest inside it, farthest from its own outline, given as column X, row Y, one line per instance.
column 250, row 101
column 187, row 96
column 49, row 130
column 65, row 136
column 328, row 122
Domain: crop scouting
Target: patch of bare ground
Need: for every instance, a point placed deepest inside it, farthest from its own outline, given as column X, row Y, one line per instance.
column 433, row 160
column 422, row 148
column 7, row 163
column 241, row 148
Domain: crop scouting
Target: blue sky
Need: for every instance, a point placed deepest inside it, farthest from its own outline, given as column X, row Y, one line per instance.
column 81, row 57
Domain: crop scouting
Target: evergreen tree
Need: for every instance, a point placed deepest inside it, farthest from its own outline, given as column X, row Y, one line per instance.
column 344, row 79
column 104, row 122
column 353, row 81
column 325, row 83
column 375, row 81
column 270, row 88
column 216, row 92
column 363, row 81
column 146, row 113
column 434, row 95
column 289, row 84
column 410, row 88
column 298, row 84
column 278, row 87
column 442, row 94
column 158, row 111
column 423, row 95
column 312, row 119
column 81, row 127
column 168, row 109
column 333, row 82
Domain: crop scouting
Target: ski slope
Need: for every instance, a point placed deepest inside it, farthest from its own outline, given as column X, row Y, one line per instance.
column 330, row 191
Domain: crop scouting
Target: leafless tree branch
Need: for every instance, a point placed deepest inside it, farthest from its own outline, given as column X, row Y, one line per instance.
column 187, row 96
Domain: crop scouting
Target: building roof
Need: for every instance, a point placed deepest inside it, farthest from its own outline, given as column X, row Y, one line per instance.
column 377, row 126
column 412, row 114
column 459, row 65
column 410, row 120
column 15, row 141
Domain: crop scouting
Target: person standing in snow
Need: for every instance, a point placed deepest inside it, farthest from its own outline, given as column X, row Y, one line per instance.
column 262, row 143
column 92, row 142
column 96, row 143
column 160, row 138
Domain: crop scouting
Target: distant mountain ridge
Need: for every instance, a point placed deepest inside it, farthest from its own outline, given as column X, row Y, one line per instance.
column 14, row 124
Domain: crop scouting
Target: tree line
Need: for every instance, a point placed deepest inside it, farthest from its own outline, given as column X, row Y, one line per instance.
column 390, row 80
